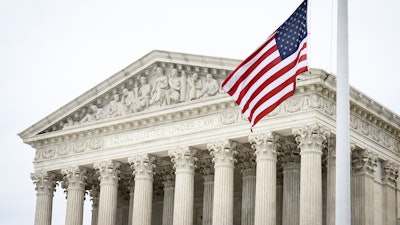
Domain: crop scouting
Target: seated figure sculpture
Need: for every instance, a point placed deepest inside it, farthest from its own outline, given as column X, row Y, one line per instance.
column 211, row 86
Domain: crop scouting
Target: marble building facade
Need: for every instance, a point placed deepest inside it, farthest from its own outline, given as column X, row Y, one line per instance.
column 159, row 143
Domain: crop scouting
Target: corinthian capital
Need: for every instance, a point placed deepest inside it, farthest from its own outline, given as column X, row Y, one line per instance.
column 223, row 151
column 205, row 165
column 364, row 162
column 246, row 159
column 108, row 171
column 74, row 177
column 165, row 173
column 265, row 144
column 183, row 158
column 142, row 164
column 311, row 137
column 390, row 173
column 45, row 182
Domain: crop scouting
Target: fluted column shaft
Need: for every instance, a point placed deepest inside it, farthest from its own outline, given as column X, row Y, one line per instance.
column 183, row 159
column 156, row 218
column 108, row 175
column 223, row 153
column 45, row 187
column 331, row 181
column 291, row 193
column 208, row 198
column 142, row 203
column 206, row 169
column 390, row 173
column 131, row 197
column 123, row 215
column 362, row 187
column 248, row 196
column 279, row 197
column 168, row 208
column 246, row 161
column 310, row 140
column 123, row 202
column 75, row 181
column 265, row 145
column 95, row 196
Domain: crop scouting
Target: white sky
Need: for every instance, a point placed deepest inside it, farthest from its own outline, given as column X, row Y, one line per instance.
column 53, row 51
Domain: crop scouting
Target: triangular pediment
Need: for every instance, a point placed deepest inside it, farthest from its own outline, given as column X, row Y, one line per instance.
column 157, row 81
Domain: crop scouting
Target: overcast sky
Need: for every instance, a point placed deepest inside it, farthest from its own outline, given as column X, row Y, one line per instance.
column 53, row 51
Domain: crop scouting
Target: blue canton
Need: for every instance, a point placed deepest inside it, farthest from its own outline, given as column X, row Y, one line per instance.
column 292, row 32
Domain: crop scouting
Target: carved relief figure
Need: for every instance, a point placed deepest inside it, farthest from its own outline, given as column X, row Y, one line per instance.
column 90, row 115
column 70, row 122
column 165, row 90
column 183, row 86
column 143, row 100
column 160, row 89
column 114, row 107
column 211, row 86
column 195, row 86
column 128, row 100
column 175, row 84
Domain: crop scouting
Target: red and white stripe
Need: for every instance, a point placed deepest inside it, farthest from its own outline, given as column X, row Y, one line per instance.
column 263, row 80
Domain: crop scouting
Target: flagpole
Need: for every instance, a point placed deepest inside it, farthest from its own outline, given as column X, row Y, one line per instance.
column 343, row 154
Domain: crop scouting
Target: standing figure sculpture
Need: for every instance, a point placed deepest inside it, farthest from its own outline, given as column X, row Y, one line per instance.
column 144, row 93
column 183, row 80
column 195, row 86
column 128, row 100
column 160, row 89
column 175, row 85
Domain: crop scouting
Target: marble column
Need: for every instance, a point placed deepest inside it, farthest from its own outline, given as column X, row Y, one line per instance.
column 122, row 207
column 265, row 145
column 247, row 165
column 124, row 195
column 184, row 163
column 390, row 173
column 331, row 182
column 45, row 186
column 142, row 165
column 324, row 175
column 158, row 195
column 95, row 197
column 291, row 185
column 157, row 211
column 362, row 187
column 74, row 181
column 279, row 193
column 108, row 172
column 223, row 153
column 131, row 197
column 206, row 169
column 311, row 139
column 169, row 191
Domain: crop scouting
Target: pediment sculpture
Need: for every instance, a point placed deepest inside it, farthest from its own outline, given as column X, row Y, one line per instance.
column 160, row 86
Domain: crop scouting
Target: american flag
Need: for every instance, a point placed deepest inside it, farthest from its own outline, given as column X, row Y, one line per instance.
column 268, row 76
